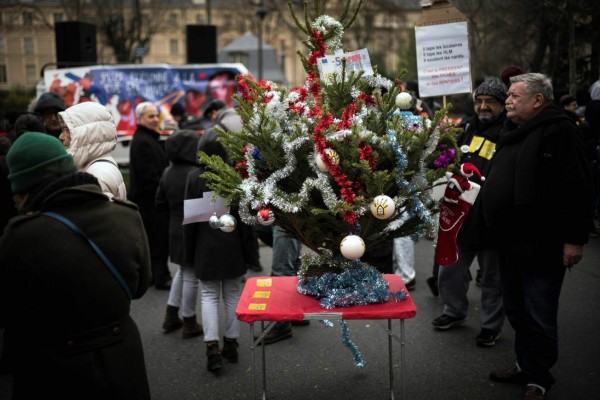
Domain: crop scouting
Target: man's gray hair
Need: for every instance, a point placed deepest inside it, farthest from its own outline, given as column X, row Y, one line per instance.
column 139, row 109
column 536, row 83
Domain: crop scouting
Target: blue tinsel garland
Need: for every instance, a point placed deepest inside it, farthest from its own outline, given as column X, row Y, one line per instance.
column 356, row 286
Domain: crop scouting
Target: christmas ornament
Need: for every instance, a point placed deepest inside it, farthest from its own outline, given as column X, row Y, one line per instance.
column 404, row 101
column 265, row 216
column 214, row 222
column 383, row 207
column 331, row 154
column 227, row 223
column 352, row 247
column 459, row 196
column 459, row 183
column 464, row 148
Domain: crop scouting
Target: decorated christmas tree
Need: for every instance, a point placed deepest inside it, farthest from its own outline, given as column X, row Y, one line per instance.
column 340, row 163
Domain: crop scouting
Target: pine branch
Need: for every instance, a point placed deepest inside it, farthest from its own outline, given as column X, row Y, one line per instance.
column 225, row 182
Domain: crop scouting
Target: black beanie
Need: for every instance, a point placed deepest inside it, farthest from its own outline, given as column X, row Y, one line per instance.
column 492, row 86
column 49, row 101
column 566, row 99
column 214, row 105
column 34, row 157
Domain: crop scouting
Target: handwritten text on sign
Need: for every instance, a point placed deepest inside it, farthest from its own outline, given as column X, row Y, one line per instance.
column 443, row 59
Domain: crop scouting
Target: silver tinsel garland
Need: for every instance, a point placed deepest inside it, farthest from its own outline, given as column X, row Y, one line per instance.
column 361, row 285
column 327, row 25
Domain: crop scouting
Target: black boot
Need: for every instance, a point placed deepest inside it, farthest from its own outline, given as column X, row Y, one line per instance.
column 281, row 330
column 229, row 351
column 191, row 328
column 214, row 361
column 172, row 321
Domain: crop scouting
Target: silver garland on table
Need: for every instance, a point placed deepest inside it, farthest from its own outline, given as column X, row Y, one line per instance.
column 360, row 285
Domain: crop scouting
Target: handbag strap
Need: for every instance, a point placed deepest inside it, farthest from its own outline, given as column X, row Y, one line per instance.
column 97, row 249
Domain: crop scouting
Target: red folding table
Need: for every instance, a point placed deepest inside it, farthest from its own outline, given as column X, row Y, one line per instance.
column 275, row 298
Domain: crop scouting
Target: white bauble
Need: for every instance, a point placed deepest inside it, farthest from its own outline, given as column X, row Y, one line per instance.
column 227, row 222
column 265, row 216
column 214, row 222
column 331, row 155
column 383, row 207
column 404, row 101
column 352, row 247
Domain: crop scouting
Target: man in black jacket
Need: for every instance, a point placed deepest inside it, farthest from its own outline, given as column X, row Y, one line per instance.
column 478, row 144
column 537, row 204
column 147, row 161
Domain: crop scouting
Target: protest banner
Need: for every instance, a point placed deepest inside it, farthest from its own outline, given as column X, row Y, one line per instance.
column 442, row 48
column 443, row 59
column 121, row 87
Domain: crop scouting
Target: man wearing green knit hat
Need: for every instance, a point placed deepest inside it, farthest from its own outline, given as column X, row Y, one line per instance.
column 36, row 157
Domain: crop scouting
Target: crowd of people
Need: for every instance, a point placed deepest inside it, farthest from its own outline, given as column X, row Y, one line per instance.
column 84, row 245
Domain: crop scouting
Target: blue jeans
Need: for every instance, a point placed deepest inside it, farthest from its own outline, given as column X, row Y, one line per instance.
column 285, row 261
column 286, row 254
column 531, row 296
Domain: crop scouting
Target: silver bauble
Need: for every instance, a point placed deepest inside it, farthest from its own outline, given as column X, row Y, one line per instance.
column 228, row 223
column 214, row 222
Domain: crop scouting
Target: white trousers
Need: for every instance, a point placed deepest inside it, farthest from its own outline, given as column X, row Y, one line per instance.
column 211, row 294
column 404, row 258
column 184, row 291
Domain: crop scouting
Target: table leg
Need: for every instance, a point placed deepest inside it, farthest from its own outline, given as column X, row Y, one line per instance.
column 264, row 361
column 255, row 342
column 391, row 358
column 402, row 360
column 253, row 356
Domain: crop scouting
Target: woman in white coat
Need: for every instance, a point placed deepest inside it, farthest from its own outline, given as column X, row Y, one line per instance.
column 89, row 134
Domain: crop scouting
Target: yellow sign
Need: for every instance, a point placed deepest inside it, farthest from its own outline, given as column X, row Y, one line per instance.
column 262, row 295
column 257, row 307
column 475, row 143
column 487, row 150
column 268, row 282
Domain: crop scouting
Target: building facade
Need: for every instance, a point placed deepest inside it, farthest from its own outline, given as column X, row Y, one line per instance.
column 27, row 32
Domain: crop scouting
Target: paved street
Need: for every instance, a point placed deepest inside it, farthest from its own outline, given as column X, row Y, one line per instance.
column 314, row 364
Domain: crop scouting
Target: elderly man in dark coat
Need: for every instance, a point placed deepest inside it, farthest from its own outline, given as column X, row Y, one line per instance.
column 67, row 309
column 537, row 204
column 147, row 161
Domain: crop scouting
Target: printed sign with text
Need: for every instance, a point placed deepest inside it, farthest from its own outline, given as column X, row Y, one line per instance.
column 443, row 59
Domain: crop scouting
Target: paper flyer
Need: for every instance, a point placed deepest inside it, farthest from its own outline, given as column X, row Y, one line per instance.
column 201, row 209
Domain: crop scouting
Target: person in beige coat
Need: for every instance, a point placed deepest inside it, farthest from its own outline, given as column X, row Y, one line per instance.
column 89, row 134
